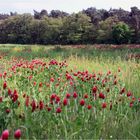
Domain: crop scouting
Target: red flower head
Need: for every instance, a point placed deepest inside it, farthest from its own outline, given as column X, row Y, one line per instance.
column 122, row 91
column 30, row 77
column 71, row 83
column 17, row 134
column 104, row 105
column 9, row 91
column 129, row 94
column 0, row 99
column 101, row 95
column 82, row 102
column 68, row 77
column 7, row 111
column 49, row 109
column 34, row 83
column 27, row 101
column 109, row 72
column 0, row 75
column 40, row 84
column 52, row 80
column 131, row 104
column 94, row 75
column 58, row 110
column 89, row 107
column 41, row 105
column 4, row 85
column 68, row 95
column 5, row 135
column 85, row 96
column 57, row 99
column 15, row 96
column 53, row 96
column 34, row 105
column 94, row 89
column 75, row 74
column 75, row 95
column 65, row 102
column 53, row 62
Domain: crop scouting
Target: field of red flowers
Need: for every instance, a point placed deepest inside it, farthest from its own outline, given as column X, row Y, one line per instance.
column 69, row 92
column 49, row 99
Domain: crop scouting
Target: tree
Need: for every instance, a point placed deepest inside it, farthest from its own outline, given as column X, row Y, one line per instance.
column 96, row 15
column 134, row 22
column 77, row 28
column 57, row 14
column 4, row 16
column 16, row 29
column 38, row 29
column 53, row 30
column 57, row 27
column 40, row 15
column 104, row 33
column 121, row 33
column 121, row 14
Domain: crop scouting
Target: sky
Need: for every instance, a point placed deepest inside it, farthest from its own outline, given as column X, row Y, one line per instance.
column 70, row 6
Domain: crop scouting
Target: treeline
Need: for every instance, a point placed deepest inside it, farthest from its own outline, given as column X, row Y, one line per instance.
column 115, row 26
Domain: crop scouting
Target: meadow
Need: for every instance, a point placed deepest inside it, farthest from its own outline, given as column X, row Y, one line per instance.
column 70, row 92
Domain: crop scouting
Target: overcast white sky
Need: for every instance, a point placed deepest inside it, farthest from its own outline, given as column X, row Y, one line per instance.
column 27, row 6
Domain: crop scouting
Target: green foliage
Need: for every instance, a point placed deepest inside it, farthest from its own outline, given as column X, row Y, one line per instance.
column 16, row 29
column 53, row 31
column 77, row 28
column 105, row 30
column 90, row 26
column 121, row 33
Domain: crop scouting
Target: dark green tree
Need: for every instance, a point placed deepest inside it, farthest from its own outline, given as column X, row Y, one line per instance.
column 121, row 33
column 16, row 29
column 77, row 28
column 104, row 32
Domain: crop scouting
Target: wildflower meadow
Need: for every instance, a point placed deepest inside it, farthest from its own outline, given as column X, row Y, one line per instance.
column 71, row 92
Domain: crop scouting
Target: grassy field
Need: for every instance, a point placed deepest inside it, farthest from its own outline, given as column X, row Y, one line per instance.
column 103, row 82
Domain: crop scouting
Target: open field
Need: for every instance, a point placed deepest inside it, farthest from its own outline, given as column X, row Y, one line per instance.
column 70, row 92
